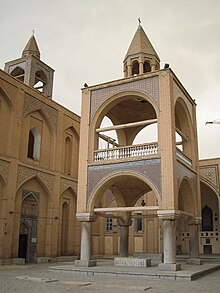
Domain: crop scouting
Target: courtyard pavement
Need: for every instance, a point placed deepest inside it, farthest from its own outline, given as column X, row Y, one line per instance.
column 37, row 278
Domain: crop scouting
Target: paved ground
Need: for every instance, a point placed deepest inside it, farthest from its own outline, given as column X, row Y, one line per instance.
column 37, row 278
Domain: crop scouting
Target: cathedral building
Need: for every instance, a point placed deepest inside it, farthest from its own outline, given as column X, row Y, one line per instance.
column 132, row 185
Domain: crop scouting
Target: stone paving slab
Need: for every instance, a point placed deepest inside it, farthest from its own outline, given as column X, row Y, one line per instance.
column 107, row 268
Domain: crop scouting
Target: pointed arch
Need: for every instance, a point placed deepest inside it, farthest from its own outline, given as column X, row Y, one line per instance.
column 6, row 122
column 187, row 197
column 18, row 73
column 109, row 181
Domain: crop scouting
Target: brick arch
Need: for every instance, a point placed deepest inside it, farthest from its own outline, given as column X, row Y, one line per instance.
column 187, row 197
column 108, row 183
column 124, row 137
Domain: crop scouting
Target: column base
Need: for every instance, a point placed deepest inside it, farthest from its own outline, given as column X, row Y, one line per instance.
column 85, row 263
column 169, row 266
column 194, row 261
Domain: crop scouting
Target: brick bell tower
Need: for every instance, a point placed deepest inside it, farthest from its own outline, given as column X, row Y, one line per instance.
column 31, row 70
column 166, row 167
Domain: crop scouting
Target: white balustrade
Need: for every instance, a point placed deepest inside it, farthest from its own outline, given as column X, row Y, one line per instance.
column 126, row 152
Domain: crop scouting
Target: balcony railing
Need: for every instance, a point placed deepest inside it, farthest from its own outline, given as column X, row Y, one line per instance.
column 126, row 152
column 183, row 157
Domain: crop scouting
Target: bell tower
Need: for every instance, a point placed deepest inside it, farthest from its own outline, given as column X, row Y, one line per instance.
column 31, row 70
column 141, row 56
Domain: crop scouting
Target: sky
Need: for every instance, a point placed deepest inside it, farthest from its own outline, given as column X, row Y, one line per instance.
column 86, row 41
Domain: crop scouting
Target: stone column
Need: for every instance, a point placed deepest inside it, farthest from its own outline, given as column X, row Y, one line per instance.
column 141, row 67
column 169, row 240
column 86, row 238
column 129, row 68
column 124, row 236
column 194, row 243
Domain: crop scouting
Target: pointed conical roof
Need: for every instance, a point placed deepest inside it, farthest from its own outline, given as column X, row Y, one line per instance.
column 141, row 44
column 31, row 48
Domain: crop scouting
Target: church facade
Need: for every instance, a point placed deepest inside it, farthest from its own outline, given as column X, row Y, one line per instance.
column 131, row 185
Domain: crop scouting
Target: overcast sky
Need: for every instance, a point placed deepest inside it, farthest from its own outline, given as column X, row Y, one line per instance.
column 86, row 41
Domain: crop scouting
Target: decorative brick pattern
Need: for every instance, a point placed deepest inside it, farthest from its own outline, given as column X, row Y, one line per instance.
column 4, row 167
column 149, row 86
column 66, row 183
column 210, row 175
column 150, row 169
column 183, row 171
column 24, row 173
column 32, row 104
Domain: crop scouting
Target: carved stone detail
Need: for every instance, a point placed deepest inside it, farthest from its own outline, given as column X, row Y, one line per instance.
column 32, row 104
column 24, row 173
column 66, row 183
column 4, row 167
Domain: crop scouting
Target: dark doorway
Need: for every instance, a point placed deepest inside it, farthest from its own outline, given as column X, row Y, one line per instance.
column 207, row 249
column 22, row 250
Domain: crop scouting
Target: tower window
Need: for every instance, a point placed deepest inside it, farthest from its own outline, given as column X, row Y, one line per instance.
column 207, row 219
column 34, row 143
column 40, row 81
column 18, row 73
column 135, row 68
column 147, row 67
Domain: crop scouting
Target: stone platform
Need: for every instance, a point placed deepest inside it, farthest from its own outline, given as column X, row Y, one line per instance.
column 106, row 268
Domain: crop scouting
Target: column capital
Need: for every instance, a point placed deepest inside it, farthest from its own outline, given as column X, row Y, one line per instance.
column 195, row 221
column 86, row 217
column 124, row 222
column 168, row 214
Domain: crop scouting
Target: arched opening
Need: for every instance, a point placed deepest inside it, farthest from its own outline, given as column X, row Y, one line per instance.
column 129, row 191
column 69, row 226
column 40, row 83
column 65, row 228
column 68, row 156
column 6, row 118
column 32, row 212
column 70, row 152
column 28, row 227
column 135, row 67
column 184, row 136
column 147, row 67
column 18, row 73
column 207, row 219
column 186, row 204
column 210, row 227
column 34, row 144
column 119, row 130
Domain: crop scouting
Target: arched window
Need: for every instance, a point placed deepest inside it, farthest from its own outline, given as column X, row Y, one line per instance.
column 65, row 228
column 147, row 67
column 18, row 73
column 135, row 68
column 40, row 81
column 207, row 219
column 68, row 156
column 34, row 144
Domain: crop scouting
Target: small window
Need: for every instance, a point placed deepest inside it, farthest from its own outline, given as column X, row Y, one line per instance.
column 34, row 144
column 109, row 225
column 135, row 68
column 147, row 67
column 138, row 224
column 40, row 81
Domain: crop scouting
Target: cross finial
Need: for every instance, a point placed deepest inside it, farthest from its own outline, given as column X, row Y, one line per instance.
column 33, row 32
column 139, row 20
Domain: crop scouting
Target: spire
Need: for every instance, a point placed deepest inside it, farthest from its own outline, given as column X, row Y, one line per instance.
column 31, row 48
column 141, row 56
column 141, row 44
